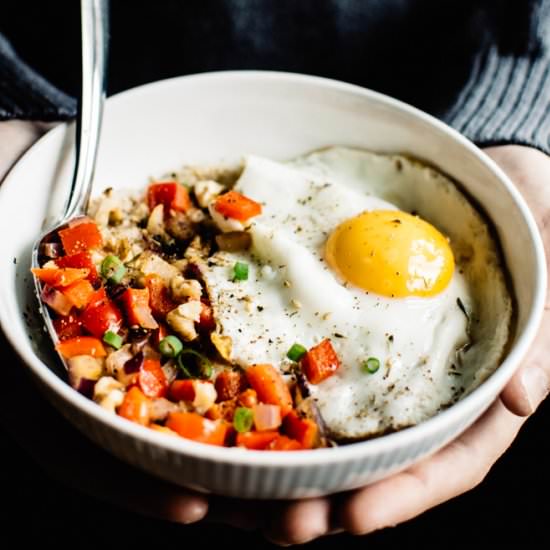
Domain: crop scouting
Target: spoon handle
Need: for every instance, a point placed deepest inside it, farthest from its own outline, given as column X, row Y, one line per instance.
column 94, row 20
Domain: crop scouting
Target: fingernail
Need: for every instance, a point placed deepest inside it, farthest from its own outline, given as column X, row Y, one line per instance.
column 190, row 512
column 536, row 385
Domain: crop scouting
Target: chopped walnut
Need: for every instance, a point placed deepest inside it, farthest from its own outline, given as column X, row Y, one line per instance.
column 196, row 215
column 223, row 344
column 205, row 396
column 224, row 223
column 155, row 223
column 109, row 393
column 206, row 191
column 180, row 226
column 183, row 318
column 197, row 249
column 150, row 263
column 182, row 288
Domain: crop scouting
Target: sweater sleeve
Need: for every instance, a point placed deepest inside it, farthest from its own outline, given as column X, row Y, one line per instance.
column 507, row 96
column 24, row 94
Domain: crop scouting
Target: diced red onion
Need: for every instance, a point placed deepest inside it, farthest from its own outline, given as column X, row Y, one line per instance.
column 56, row 300
column 86, row 387
column 84, row 371
column 116, row 360
column 52, row 250
column 303, row 384
column 138, row 334
column 267, row 417
column 170, row 371
column 193, row 271
column 134, row 364
column 160, row 408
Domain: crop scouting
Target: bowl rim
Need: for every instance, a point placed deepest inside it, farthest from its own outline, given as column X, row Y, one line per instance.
column 477, row 400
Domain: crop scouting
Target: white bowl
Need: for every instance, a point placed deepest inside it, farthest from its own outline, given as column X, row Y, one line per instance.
column 219, row 117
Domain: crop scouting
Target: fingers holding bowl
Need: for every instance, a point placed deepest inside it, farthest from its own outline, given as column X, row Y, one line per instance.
column 452, row 471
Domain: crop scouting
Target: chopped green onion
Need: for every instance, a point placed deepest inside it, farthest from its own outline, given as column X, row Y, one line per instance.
column 183, row 367
column 204, row 369
column 240, row 271
column 243, row 419
column 371, row 365
column 112, row 339
column 113, row 269
column 170, row 346
column 296, row 352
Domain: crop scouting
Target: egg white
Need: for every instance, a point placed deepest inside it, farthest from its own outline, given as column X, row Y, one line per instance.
column 292, row 295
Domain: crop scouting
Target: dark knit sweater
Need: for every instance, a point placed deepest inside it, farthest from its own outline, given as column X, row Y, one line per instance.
column 483, row 66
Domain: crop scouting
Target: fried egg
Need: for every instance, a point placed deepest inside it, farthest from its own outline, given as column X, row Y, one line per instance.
column 387, row 259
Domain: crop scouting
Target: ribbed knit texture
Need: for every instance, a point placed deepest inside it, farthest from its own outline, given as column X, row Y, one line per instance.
column 507, row 98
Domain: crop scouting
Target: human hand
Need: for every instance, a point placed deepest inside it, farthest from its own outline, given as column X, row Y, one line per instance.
column 405, row 495
column 465, row 462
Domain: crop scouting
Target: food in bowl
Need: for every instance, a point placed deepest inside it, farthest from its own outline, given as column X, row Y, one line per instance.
column 282, row 306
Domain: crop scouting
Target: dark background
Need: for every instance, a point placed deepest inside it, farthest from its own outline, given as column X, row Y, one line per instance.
column 420, row 51
column 159, row 40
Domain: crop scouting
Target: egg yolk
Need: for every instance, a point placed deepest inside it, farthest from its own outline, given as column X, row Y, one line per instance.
column 391, row 253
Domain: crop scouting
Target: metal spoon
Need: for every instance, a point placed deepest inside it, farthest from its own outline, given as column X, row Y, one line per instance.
column 94, row 21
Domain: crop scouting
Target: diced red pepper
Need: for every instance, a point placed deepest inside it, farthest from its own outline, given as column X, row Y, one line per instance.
column 197, row 428
column 182, row 390
column 81, row 345
column 304, row 430
column 82, row 260
column 101, row 315
column 79, row 293
column 224, row 409
column 159, row 296
column 151, row 379
column 207, row 322
column 135, row 407
column 270, row 386
column 214, row 412
column 229, row 384
column 136, row 307
column 67, row 327
column 320, row 362
column 237, row 206
column 171, row 195
column 80, row 238
column 248, row 398
column 284, row 443
column 59, row 278
column 256, row 440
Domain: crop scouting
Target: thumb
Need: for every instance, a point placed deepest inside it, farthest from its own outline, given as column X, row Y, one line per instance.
column 529, row 170
column 531, row 384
